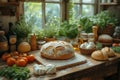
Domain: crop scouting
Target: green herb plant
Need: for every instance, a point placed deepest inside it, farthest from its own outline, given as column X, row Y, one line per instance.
column 68, row 30
column 15, row 73
column 105, row 18
column 23, row 28
column 85, row 23
column 116, row 49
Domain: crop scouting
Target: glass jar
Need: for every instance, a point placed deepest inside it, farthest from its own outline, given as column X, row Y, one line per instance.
column 90, row 37
column 3, row 43
column 84, row 36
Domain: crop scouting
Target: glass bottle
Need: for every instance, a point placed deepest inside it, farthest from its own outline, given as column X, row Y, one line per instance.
column 3, row 43
column 33, row 42
column 12, row 38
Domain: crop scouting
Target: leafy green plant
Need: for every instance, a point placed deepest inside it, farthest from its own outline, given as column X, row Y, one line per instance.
column 15, row 73
column 51, row 27
column 50, row 30
column 71, row 10
column 69, row 30
column 105, row 18
column 116, row 49
column 23, row 28
column 40, row 34
column 85, row 23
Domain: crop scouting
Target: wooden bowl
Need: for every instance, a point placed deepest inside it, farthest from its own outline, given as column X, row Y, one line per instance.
column 86, row 51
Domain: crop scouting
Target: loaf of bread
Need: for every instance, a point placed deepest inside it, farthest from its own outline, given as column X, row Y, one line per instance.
column 103, row 54
column 108, row 51
column 104, row 38
column 57, row 50
column 98, row 55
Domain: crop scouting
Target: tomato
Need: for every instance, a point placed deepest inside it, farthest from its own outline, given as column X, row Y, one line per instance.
column 115, row 44
column 25, row 58
column 24, row 54
column 30, row 58
column 21, row 62
column 15, row 53
column 119, row 44
column 5, row 56
column 16, row 57
column 11, row 61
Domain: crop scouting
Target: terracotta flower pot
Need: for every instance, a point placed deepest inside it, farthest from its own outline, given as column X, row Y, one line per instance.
column 109, row 29
column 49, row 39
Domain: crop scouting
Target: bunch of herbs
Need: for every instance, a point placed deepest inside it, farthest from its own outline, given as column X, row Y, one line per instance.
column 15, row 73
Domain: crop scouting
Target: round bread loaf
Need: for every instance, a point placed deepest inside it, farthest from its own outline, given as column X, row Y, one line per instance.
column 98, row 55
column 104, row 38
column 57, row 50
column 108, row 51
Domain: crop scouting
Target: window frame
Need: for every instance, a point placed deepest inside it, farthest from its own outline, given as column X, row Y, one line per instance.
column 95, row 5
column 63, row 8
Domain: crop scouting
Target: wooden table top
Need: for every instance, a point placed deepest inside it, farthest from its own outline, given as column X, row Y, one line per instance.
column 81, row 69
column 91, row 64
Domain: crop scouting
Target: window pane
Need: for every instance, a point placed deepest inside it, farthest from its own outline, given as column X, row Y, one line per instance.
column 33, row 11
column 76, row 10
column 76, row 1
column 53, row 0
column 52, row 10
column 87, row 10
column 88, row 1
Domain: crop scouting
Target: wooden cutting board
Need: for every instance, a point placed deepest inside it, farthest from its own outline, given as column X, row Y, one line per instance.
column 60, row 64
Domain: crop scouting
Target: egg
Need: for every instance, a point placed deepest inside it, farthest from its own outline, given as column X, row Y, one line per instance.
column 89, row 47
column 93, row 44
column 84, row 45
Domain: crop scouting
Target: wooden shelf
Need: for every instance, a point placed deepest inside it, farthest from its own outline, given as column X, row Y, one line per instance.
column 10, row 3
column 108, row 4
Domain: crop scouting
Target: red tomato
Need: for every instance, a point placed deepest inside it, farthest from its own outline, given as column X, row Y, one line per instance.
column 30, row 58
column 119, row 44
column 11, row 61
column 15, row 53
column 5, row 56
column 21, row 62
column 115, row 44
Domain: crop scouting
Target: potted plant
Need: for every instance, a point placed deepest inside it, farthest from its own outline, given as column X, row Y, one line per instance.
column 85, row 23
column 50, row 30
column 22, row 28
column 106, row 22
column 69, row 30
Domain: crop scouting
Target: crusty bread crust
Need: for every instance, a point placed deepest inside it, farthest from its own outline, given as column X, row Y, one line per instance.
column 55, row 57
column 58, row 50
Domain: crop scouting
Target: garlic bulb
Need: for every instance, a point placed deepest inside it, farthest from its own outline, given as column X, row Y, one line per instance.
column 89, row 45
column 39, row 69
column 84, row 45
column 44, row 69
column 51, row 69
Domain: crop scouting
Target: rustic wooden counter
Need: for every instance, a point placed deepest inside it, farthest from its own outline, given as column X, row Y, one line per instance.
column 91, row 70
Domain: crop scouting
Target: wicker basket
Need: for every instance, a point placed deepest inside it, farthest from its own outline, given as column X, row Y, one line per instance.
column 86, row 51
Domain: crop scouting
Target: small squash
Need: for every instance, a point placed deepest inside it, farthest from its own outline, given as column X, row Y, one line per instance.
column 24, row 47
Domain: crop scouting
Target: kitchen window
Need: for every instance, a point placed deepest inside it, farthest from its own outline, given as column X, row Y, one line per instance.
column 43, row 11
column 85, row 7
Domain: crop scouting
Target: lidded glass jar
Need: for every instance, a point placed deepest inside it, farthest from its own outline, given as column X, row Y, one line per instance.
column 3, row 43
column 84, row 36
column 90, row 37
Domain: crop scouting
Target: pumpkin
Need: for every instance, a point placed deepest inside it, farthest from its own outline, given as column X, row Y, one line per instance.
column 24, row 47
